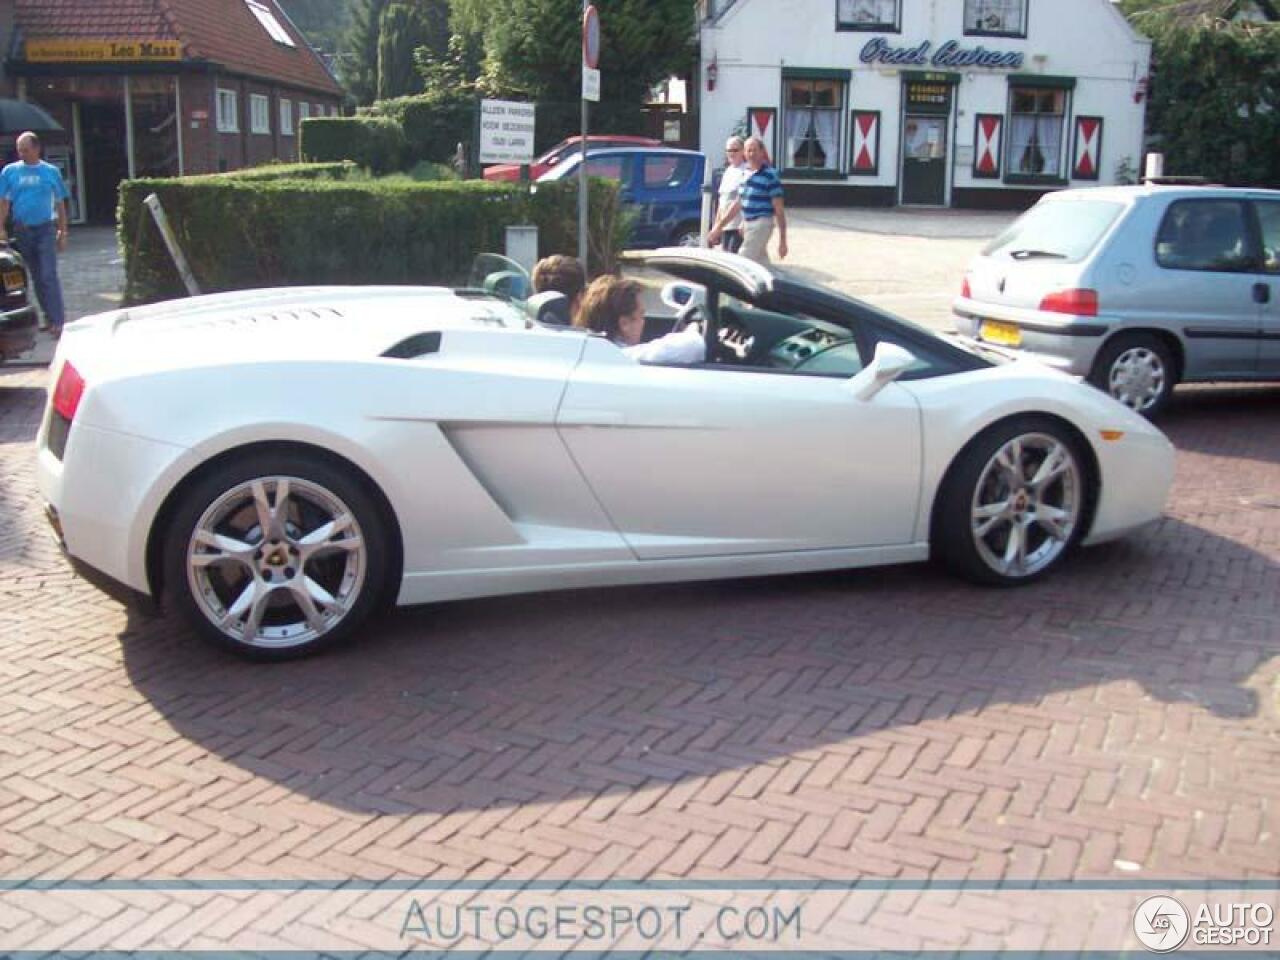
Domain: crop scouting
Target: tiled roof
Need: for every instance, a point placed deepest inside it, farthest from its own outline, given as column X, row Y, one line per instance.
column 222, row 31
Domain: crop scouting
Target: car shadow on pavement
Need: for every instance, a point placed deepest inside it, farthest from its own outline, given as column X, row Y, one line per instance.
column 1199, row 417
column 602, row 693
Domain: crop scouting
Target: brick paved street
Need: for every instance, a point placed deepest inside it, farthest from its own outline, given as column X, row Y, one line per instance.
column 1119, row 720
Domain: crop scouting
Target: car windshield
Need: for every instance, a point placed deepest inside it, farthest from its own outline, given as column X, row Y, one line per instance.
column 1058, row 230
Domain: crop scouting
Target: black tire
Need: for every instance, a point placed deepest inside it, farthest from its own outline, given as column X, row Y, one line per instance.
column 350, row 565
column 687, row 235
column 1139, row 370
column 971, row 485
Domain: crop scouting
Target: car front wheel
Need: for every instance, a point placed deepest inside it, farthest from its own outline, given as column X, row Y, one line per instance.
column 275, row 556
column 1015, row 503
column 1137, row 370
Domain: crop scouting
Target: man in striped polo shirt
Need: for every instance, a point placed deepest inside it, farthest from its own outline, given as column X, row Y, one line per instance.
column 760, row 200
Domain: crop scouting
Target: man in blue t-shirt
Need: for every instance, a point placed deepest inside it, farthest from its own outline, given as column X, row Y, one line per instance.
column 33, row 190
column 760, row 200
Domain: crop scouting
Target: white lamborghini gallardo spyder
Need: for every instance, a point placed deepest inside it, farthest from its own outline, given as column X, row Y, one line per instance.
column 278, row 463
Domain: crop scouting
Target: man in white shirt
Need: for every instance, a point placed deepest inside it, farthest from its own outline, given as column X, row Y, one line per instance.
column 735, row 171
column 614, row 306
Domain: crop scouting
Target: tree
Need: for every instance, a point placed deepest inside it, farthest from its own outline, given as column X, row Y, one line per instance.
column 534, row 46
column 381, row 42
column 1215, row 94
column 324, row 23
column 360, row 65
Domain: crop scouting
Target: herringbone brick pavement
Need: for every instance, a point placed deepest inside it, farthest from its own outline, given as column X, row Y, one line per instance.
column 1118, row 720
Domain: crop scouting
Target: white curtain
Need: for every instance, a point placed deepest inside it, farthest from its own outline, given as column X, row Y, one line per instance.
column 797, row 127
column 826, row 125
column 1050, row 131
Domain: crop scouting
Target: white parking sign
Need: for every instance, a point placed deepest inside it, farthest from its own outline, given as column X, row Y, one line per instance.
column 506, row 131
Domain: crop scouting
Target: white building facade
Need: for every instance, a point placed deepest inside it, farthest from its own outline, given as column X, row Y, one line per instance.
column 966, row 103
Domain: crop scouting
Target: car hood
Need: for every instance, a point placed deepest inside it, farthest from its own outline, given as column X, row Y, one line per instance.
column 278, row 324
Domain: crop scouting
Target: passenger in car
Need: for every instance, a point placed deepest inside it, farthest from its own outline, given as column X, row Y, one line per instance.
column 614, row 306
column 564, row 275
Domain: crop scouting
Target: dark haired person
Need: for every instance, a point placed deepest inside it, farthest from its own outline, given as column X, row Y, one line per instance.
column 613, row 306
column 33, row 191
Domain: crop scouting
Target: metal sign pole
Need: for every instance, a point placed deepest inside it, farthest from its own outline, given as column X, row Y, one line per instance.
column 582, row 170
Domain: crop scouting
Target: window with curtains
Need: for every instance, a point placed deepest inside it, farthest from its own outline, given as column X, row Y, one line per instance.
column 811, row 125
column 1000, row 17
column 867, row 14
column 1037, row 118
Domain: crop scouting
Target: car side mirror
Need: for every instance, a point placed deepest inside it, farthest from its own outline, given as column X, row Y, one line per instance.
column 678, row 295
column 889, row 363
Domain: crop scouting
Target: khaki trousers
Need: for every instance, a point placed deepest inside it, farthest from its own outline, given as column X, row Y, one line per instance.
column 755, row 239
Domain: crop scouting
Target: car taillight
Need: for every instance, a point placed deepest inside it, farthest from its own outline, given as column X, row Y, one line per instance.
column 67, row 394
column 1081, row 303
column 964, row 289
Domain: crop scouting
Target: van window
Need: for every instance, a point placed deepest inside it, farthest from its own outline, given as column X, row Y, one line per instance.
column 1269, row 219
column 1203, row 235
column 1061, row 230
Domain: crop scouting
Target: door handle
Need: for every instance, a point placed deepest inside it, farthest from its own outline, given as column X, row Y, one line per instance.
column 1262, row 293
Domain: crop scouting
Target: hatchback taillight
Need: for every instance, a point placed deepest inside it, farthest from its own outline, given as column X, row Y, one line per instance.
column 964, row 289
column 1081, row 303
column 67, row 393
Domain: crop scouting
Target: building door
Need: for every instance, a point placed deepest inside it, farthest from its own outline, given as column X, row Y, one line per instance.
column 106, row 162
column 924, row 160
column 926, row 120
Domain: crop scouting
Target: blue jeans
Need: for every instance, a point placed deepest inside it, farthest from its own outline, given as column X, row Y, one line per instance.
column 39, row 247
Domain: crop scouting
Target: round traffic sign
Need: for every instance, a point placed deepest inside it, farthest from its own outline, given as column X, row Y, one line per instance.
column 591, row 37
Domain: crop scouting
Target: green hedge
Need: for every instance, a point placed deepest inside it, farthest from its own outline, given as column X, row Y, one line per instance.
column 240, row 233
column 338, row 170
column 377, row 143
column 433, row 127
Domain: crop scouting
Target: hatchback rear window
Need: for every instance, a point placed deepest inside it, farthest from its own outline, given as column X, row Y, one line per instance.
column 1059, row 230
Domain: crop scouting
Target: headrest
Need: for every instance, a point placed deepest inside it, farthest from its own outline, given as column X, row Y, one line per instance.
column 550, row 308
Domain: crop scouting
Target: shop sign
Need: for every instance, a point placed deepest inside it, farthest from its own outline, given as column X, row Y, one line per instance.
column 950, row 54
column 932, row 94
column 101, row 51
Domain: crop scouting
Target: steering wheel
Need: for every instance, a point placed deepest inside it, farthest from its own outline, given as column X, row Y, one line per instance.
column 689, row 313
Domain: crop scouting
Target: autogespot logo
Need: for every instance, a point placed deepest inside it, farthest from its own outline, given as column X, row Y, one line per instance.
column 1161, row 924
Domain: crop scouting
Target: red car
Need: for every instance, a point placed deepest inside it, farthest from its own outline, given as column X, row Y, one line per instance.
column 565, row 148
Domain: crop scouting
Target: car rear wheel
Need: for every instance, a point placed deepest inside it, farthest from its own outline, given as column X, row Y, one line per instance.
column 687, row 235
column 1138, row 370
column 1014, row 504
column 276, row 556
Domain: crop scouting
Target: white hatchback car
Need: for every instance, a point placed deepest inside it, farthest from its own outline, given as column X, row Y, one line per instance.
column 1136, row 288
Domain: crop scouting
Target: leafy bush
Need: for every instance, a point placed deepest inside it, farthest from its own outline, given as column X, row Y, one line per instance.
column 374, row 142
column 433, row 124
column 239, row 233
column 340, row 170
column 1215, row 96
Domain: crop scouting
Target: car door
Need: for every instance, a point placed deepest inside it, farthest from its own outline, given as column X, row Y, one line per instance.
column 1207, row 284
column 1267, row 286
column 713, row 461
column 665, row 194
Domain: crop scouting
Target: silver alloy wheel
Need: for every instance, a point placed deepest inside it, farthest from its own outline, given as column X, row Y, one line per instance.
column 1026, row 505
column 1137, row 378
column 276, row 561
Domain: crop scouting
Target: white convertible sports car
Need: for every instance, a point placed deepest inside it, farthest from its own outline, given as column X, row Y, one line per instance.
column 277, row 463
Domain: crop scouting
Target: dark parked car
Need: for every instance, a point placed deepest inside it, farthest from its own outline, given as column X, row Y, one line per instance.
column 17, row 314
column 661, row 185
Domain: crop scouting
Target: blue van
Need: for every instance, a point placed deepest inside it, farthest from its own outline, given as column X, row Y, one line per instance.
column 661, row 185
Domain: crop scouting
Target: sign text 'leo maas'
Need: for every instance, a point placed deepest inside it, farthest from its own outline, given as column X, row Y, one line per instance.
column 950, row 54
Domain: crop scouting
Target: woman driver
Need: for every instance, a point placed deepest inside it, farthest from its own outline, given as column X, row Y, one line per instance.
column 613, row 306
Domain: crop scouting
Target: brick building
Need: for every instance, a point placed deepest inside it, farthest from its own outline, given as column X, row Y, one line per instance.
column 163, row 87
